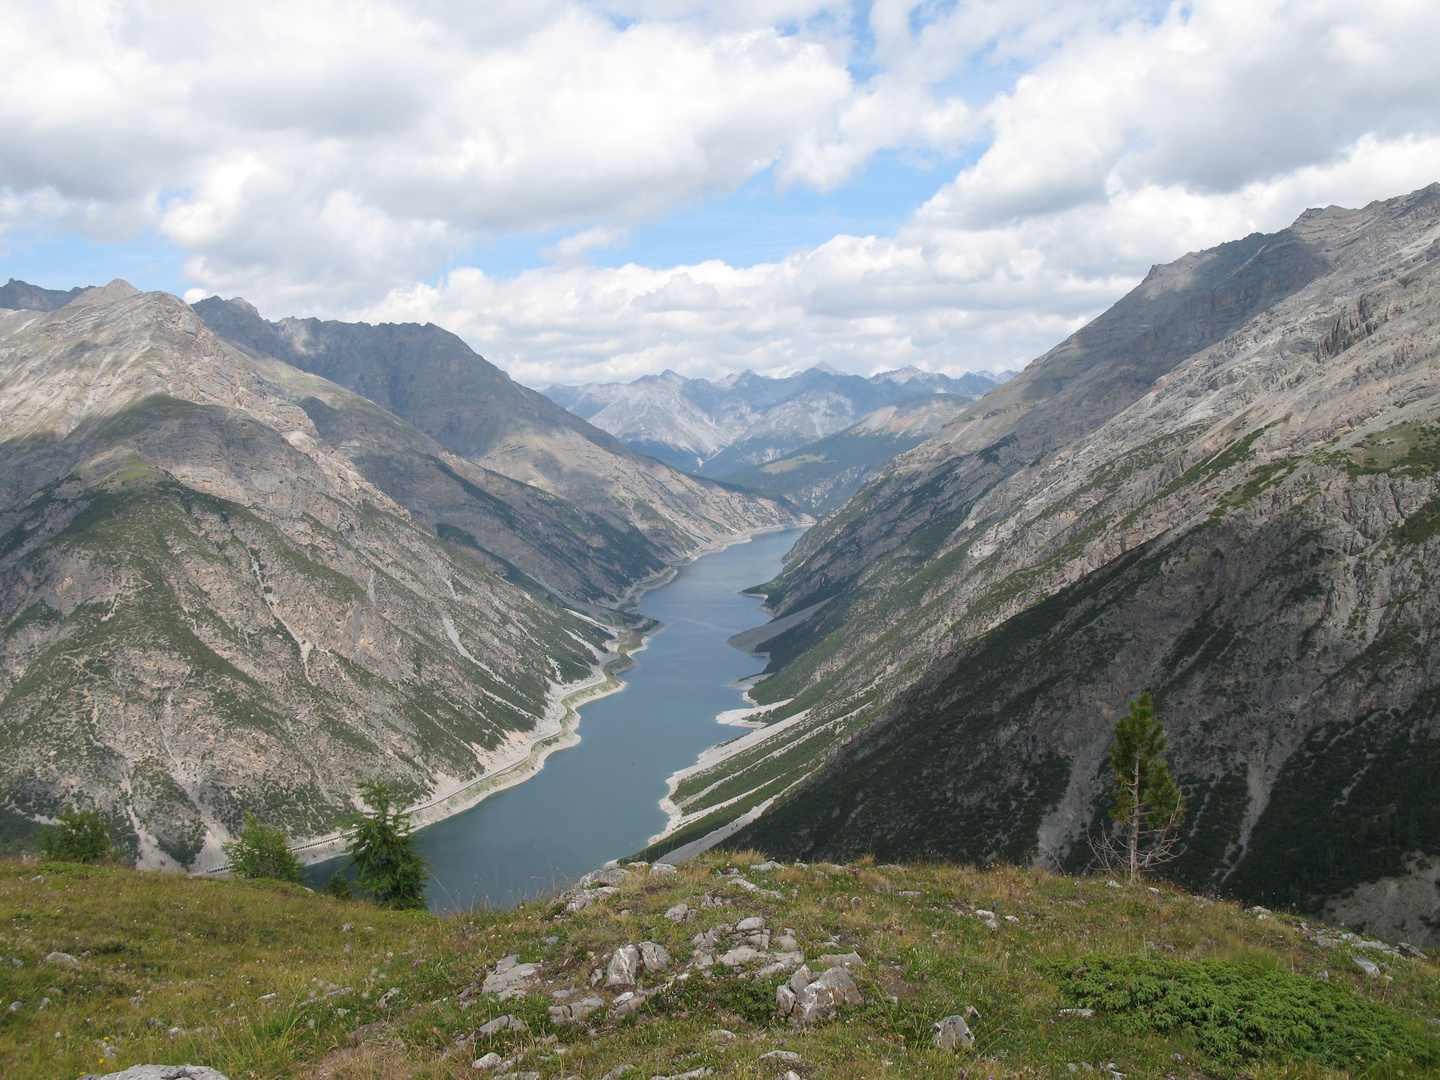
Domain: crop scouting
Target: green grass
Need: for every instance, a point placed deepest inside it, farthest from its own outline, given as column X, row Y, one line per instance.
column 231, row 974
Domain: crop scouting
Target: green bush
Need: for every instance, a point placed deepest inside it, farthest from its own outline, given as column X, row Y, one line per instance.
column 1238, row 1013
column 261, row 851
column 338, row 886
column 80, row 837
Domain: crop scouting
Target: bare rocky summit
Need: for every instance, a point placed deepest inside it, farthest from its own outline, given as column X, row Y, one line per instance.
column 1224, row 490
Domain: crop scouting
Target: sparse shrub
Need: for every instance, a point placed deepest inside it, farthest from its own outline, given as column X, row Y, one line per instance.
column 338, row 886
column 1238, row 1013
column 261, row 851
column 80, row 837
column 382, row 848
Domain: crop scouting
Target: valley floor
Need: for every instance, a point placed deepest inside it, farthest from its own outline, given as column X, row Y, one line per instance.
column 263, row 980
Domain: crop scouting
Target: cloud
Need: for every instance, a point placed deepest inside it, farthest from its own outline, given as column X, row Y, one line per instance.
column 331, row 157
column 938, row 295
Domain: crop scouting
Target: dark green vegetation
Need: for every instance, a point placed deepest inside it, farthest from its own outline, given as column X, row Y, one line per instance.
column 80, row 836
column 1148, row 805
column 1241, row 1012
column 262, row 851
column 262, row 980
column 381, row 846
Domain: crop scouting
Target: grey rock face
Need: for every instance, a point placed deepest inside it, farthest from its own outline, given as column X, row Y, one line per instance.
column 260, row 625
column 1223, row 491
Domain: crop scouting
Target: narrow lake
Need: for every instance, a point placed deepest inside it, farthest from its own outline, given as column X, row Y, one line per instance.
column 600, row 799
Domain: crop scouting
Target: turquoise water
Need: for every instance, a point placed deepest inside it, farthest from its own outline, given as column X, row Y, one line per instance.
column 600, row 799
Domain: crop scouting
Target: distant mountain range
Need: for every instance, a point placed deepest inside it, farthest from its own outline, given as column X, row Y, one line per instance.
column 719, row 428
column 1225, row 490
column 246, row 568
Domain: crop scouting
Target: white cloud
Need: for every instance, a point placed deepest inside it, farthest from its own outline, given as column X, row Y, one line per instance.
column 327, row 157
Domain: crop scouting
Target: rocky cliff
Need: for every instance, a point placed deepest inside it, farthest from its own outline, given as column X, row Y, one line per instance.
column 1224, row 491
column 207, row 608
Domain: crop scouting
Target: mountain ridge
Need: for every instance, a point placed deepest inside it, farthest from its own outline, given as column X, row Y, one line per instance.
column 1164, row 519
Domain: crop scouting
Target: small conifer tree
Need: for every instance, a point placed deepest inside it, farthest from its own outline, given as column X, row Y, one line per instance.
column 1148, row 805
column 81, row 836
column 382, row 848
column 261, row 851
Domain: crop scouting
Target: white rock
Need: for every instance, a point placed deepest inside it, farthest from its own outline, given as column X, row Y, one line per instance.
column 626, row 1004
column 66, row 958
column 754, row 922
column 623, row 966
column 663, row 869
column 766, row 866
column 819, row 999
column 654, row 957
column 576, row 1012
column 1369, row 967
column 952, row 1033
column 740, row 956
column 502, row 1023
column 165, row 1072
column 489, row 1061
column 678, row 913
column 849, row 960
column 982, row 913
column 510, row 979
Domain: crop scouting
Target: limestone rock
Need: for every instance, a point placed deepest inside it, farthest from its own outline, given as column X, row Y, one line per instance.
column 952, row 1033
column 623, row 966
column 165, row 1072
column 500, row 1024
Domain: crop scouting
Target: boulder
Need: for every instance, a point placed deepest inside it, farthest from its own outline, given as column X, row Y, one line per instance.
column 66, row 958
column 806, row 999
column 745, row 926
column 848, row 960
column 654, row 957
column 678, row 913
column 510, row 979
column 488, row 1062
column 623, row 966
column 952, row 1033
column 625, row 1004
column 1369, row 967
column 502, row 1023
column 165, row 1072
column 576, row 1012
column 663, row 869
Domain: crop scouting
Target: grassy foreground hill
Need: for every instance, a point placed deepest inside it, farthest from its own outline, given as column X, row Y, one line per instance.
column 264, row 980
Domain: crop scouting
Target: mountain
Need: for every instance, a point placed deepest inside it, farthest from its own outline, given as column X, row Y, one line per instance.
column 721, row 428
column 17, row 295
column 431, row 379
column 210, row 602
column 822, row 475
column 1223, row 491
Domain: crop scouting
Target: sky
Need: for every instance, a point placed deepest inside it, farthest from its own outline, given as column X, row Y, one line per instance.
column 591, row 191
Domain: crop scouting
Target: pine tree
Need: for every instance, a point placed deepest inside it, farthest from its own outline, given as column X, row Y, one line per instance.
column 382, row 848
column 261, row 851
column 1148, row 805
